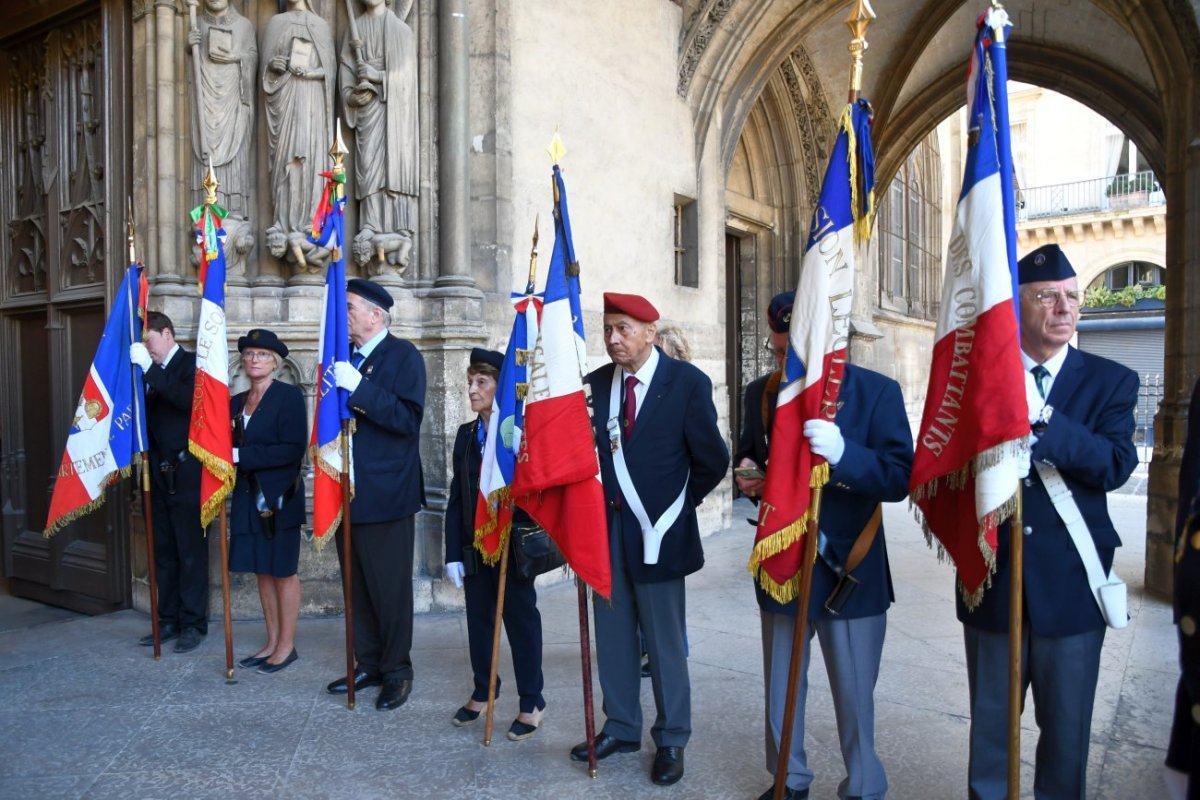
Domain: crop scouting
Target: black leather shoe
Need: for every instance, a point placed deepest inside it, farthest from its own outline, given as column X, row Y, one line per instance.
column 361, row 681
column 395, row 691
column 605, row 746
column 250, row 662
column 668, row 766
column 267, row 668
column 788, row 794
column 165, row 634
column 189, row 640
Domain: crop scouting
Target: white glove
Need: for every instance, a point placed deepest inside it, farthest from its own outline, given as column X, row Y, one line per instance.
column 455, row 572
column 825, row 439
column 236, row 457
column 1033, row 439
column 345, row 376
column 1023, row 465
column 139, row 356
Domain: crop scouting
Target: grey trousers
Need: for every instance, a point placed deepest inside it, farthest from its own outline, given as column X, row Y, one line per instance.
column 1063, row 671
column 852, row 649
column 659, row 608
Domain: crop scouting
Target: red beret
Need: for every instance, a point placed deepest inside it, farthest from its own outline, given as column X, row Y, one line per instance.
column 633, row 305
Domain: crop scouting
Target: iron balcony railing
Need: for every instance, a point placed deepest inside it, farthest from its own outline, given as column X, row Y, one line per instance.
column 1097, row 195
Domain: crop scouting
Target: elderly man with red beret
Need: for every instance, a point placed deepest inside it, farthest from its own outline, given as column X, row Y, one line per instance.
column 661, row 453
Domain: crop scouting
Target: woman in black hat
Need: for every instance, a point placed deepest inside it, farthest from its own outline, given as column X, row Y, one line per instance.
column 269, row 427
column 481, row 582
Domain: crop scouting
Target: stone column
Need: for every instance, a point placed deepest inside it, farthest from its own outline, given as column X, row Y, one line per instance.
column 166, row 211
column 453, row 143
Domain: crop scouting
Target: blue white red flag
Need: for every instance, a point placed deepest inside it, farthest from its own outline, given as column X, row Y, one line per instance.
column 557, row 480
column 964, row 477
column 493, row 509
column 108, row 433
column 210, row 437
column 816, row 355
column 325, row 445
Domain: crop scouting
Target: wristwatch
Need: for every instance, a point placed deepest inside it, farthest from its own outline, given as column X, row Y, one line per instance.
column 1038, row 426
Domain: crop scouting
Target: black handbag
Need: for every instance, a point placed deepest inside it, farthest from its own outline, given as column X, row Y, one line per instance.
column 533, row 551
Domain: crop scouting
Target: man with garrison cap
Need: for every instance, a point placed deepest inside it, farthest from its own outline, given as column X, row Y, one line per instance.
column 869, row 449
column 661, row 452
column 1081, row 419
column 386, row 381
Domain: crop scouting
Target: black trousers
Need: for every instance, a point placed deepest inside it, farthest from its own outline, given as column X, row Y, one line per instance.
column 180, row 555
column 381, row 590
column 522, row 622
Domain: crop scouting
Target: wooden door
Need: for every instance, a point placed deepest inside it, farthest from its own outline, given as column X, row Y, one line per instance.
column 61, row 169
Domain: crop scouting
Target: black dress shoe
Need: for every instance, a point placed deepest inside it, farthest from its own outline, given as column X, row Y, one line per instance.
column 267, row 668
column 250, row 662
column 189, row 640
column 165, row 634
column 361, row 681
column 395, row 691
column 788, row 794
column 668, row 766
column 605, row 746
column 463, row 717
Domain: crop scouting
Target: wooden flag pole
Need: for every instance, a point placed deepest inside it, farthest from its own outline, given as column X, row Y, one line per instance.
column 224, row 525
column 1016, row 607
column 585, row 653
column 491, row 701
column 799, row 637
column 347, row 565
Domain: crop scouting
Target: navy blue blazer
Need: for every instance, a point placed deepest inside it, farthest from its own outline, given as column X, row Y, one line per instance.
column 874, row 469
column 676, row 431
column 169, row 393
column 272, row 448
column 388, row 406
column 1090, row 440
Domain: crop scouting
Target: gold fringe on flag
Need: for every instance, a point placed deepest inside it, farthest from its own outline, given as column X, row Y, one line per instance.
column 498, row 498
column 224, row 472
column 782, row 540
column 87, row 508
column 862, row 219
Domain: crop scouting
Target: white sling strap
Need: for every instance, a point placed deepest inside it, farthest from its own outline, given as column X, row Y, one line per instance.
column 1108, row 590
column 652, row 533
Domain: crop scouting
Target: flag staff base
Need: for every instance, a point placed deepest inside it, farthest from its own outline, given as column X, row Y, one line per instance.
column 348, row 566
column 489, row 719
column 228, row 619
column 1016, row 607
column 585, row 654
column 151, row 574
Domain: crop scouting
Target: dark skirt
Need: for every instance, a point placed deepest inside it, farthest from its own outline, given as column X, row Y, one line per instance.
column 251, row 551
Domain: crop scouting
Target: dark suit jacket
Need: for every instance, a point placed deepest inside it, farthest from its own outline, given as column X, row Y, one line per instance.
column 874, row 469
column 272, row 448
column 1090, row 441
column 169, row 393
column 388, row 406
column 676, row 431
column 753, row 443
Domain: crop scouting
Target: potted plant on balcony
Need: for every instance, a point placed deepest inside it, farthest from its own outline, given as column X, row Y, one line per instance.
column 1130, row 191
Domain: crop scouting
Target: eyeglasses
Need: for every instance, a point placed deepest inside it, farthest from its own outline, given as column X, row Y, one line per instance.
column 778, row 352
column 257, row 355
column 1050, row 297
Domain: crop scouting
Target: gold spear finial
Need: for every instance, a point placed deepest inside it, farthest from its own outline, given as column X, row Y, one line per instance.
column 529, row 287
column 210, row 184
column 129, row 230
column 338, row 151
column 859, row 19
column 556, row 149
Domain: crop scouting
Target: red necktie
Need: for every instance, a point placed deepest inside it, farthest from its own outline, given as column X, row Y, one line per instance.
column 630, row 410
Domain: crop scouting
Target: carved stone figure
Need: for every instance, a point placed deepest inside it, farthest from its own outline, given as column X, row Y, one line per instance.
column 223, row 116
column 298, row 71
column 379, row 90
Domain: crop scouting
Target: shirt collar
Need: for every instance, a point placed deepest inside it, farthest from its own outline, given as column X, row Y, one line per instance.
column 369, row 346
column 646, row 373
column 1053, row 364
column 170, row 354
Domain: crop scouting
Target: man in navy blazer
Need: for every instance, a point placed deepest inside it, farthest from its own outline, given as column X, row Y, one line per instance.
column 386, row 380
column 1081, row 418
column 869, row 449
column 661, row 452
column 180, row 548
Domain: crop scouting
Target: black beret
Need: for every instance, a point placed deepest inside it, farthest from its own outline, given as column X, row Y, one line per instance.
column 779, row 313
column 1047, row 263
column 370, row 291
column 263, row 339
column 481, row 356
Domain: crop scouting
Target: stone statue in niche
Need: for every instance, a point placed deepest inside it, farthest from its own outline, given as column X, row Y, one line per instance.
column 223, row 63
column 378, row 79
column 298, row 72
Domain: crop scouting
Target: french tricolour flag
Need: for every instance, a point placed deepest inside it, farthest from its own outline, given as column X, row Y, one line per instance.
column 816, row 357
column 964, row 477
column 331, row 408
column 210, row 437
column 557, row 480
